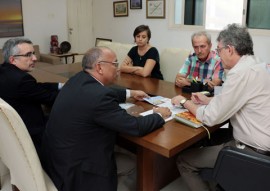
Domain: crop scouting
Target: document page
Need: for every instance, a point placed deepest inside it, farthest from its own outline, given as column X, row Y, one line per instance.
column 160, row 101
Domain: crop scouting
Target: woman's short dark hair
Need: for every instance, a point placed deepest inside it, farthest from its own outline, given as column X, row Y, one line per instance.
column 140, row 29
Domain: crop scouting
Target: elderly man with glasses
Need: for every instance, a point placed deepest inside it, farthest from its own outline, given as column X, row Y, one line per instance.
column 21, row 90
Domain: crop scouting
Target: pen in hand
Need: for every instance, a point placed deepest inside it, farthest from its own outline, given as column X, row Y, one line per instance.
column 195, row 80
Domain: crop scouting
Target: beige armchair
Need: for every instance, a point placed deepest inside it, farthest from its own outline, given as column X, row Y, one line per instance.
column 46, row 59
column 171, row 61
column 18, row 154
column 3, row 172
column 121, row 49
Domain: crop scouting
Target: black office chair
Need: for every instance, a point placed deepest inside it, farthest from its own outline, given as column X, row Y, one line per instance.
column 237, row 170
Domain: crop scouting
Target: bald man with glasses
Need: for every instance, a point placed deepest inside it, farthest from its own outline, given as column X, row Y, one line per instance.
column 21, row 90
column 84, row 122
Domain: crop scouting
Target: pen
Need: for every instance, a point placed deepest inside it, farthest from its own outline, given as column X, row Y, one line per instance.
column 194, row 80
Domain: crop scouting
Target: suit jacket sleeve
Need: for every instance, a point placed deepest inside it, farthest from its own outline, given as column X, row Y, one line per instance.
column 110, row 115
column 121, row 94
column 44, row 93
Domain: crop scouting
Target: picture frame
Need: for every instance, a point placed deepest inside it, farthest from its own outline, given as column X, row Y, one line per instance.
column 155, row 9
column 120, row 8
column 135, row 4
column 11, row 23
column 102, row 39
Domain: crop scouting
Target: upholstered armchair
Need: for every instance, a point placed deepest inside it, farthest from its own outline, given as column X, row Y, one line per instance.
column 18, row 154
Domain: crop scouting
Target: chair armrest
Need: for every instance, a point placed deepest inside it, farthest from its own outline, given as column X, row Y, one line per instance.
column 50, row 59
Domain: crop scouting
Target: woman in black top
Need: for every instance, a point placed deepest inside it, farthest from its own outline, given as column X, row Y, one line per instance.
column 143, row 59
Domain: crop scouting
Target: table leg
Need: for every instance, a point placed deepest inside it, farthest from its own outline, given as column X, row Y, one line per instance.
column 153, row 170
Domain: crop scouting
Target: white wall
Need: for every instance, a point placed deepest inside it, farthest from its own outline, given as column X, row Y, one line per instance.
column 43, row 18
column 121, row 29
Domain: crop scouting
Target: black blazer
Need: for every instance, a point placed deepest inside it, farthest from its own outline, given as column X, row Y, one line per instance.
column 25, row 95
column 80, row 136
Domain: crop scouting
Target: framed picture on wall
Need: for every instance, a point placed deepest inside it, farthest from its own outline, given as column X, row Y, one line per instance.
column 120, row 8
column 102, row 39
column 135, row 4
column 155, row 9
column 11, row 18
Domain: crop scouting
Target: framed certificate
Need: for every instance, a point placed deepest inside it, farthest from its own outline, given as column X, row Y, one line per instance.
column 155, row 9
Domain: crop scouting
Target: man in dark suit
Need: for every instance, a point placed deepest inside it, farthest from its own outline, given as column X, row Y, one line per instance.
column 21, row 90
column 85, row 119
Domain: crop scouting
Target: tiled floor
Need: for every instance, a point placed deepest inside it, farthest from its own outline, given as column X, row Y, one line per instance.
column 177, row 185
column 126, row 163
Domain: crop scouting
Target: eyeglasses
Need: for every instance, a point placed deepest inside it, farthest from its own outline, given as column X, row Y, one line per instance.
column 28, row 54
column 219, row 49
column 113, row 63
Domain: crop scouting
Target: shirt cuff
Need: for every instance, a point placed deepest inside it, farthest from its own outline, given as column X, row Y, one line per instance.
column 127, row 93
column 60, row 85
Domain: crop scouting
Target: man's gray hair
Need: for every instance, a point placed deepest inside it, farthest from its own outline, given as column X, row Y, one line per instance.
column 201, row 33
column 238, row 37
column 11, row 47
column 91, row 57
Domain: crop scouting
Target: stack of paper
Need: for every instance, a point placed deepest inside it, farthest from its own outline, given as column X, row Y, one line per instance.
column 162, row 102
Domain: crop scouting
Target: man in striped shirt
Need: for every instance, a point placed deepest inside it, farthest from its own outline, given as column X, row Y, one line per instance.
column 203, row 65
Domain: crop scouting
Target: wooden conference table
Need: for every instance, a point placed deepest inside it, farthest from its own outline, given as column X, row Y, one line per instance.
column 156, row 152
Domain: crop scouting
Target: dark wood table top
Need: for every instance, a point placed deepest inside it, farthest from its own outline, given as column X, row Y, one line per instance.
column 44, row 76
column 173, row 137
column 66, row 70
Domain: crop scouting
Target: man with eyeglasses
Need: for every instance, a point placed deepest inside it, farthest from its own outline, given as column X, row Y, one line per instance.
column 84, row 122
column 244, row 99
column 203, row 65
column 21, row 90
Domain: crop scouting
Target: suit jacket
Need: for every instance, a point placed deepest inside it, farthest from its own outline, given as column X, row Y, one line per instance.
column 25, row 95
column 79, row 139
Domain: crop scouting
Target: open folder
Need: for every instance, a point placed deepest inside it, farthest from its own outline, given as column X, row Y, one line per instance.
column 160, row 101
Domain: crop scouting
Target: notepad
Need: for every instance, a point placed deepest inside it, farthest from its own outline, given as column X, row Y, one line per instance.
column 188, row 118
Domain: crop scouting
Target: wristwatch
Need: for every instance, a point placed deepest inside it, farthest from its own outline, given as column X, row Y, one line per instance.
column 182, row 102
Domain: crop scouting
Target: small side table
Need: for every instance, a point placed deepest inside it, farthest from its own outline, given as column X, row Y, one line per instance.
column 66, row 55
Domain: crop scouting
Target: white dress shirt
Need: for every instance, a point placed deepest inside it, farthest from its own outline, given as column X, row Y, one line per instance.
column 245, row 100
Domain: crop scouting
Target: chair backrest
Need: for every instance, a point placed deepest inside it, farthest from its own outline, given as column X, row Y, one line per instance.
column 238, row 169
column 171, row 60
column 121, row 49
column 18, row 153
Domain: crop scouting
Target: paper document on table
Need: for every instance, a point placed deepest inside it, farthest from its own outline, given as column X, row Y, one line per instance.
column 166, row 103
column 126, row 105
column 225, row 126
column 156, row 100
